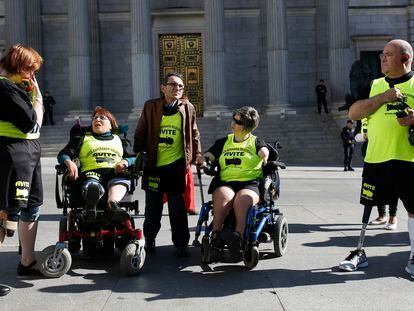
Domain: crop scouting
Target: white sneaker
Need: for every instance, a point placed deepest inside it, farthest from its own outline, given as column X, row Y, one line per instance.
column 357, row 259
column 410, row 267
column 389, row 226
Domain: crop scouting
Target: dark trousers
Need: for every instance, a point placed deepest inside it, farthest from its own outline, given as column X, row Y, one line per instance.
column 177, row 214
column 348, row 152
column 48, row 117
column 322, row 101
column 392, row 209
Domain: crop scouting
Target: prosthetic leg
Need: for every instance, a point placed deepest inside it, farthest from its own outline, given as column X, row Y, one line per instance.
column 357, row 258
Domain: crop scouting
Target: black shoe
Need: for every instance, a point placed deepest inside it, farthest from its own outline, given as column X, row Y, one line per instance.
column 345, row 169
column 350, row 169
column 27, row 270
column 150, row 246
column 233, row 241
column 4, row 290
column 217, row 240
column 182, row 251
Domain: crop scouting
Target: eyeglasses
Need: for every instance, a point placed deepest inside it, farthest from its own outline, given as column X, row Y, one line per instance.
column 175, row 84
column 382, row 55
column 238, row 122
column 103, row 118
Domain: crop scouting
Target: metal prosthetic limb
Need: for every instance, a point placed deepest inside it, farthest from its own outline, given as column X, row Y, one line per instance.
column 365, row 219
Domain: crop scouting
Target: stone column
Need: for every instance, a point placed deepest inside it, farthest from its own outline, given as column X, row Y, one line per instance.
column 34, row 31
column 339, row 49
column 410, row 19
column 79, row 55
column 214, row 59
column 16, row 23
column 95, row 53
column 141, row 53
column 277, row 56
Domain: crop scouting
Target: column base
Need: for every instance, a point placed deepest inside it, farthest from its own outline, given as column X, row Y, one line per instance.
column 135, row 113
column 83, row 115
column 217, row 112
column 280, row 111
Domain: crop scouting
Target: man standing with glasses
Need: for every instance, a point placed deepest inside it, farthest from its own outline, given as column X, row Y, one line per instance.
column 389, row 160
column 167, row 131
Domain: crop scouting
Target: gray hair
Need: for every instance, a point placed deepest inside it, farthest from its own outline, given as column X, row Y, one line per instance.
column 172, row 74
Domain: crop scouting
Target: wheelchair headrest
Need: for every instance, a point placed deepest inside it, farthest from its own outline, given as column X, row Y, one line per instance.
column 123, row 129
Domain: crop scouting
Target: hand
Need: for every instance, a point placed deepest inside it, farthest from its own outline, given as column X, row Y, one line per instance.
column 72, row 169
column 392, row 94
column 200, row 161
column 39, row 97
column 408, row 120
column 121, row 166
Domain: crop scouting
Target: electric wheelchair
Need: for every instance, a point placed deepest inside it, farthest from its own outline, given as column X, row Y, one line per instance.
column 99, row 232
column 265, row 223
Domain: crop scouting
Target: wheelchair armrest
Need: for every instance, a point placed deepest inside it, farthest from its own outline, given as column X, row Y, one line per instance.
column 274, row 165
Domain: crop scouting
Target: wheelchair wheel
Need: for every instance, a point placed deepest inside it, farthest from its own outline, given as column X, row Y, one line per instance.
column 206, row 250
column 132, row 259
column 55, row 267
column 251, row 257
column 280, row 236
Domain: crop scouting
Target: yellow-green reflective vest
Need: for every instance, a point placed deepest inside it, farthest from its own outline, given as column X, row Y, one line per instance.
column 239, row 160
column 387, row 139
column 95, row 154
column 170, row 144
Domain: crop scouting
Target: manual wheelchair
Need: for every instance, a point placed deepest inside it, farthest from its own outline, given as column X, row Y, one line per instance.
column 98, row 234
column 265, row 223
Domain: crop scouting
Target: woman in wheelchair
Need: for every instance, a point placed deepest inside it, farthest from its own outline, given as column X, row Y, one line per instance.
column 240, row 157
column 103, row 162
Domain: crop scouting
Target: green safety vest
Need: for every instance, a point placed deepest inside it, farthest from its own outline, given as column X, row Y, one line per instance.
column 170, row 144
column 387, row 139
column 8, row 129
column 239, row 161
column 95, row 154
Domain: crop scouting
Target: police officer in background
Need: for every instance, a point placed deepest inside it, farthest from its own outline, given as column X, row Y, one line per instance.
column 347, row 136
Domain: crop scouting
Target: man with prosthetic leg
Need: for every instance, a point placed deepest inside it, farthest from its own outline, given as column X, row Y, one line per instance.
column 389, row 160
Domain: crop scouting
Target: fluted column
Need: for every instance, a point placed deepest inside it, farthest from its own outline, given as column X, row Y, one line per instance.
column 339, row 50
column 214, row 54
column 16, row 23
column 34, row 30
column 79, row 55
column 410, row 18
column 141, row 52
column 277, row 56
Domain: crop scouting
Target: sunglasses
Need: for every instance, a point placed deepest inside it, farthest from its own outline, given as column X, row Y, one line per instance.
column 238, row 122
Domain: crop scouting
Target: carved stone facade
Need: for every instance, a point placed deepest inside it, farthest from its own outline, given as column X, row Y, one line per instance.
column 265, row 53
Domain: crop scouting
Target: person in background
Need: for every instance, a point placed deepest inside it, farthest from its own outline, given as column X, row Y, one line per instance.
column 347, row 136
column 49, row 102
column 321, row 91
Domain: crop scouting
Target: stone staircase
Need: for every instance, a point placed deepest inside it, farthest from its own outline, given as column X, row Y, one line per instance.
column 307, row 138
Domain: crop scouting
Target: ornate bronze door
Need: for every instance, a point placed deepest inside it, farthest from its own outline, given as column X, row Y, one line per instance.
column 183, row 54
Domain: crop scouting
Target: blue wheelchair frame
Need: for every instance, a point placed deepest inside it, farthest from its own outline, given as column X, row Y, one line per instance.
column 264, row 222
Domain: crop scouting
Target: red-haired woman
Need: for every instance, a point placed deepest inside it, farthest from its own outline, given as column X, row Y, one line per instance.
column 21, row 115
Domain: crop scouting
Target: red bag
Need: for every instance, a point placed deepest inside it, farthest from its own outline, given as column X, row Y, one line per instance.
column 188, row 193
